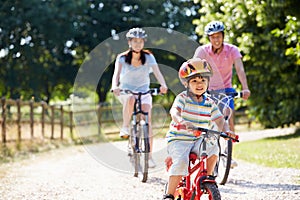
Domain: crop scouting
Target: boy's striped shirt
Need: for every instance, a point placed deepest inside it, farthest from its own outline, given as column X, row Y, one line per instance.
column 199, row 113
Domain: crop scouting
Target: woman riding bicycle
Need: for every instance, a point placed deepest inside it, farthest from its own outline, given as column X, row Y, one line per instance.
column 192, row 108
column 132, row 72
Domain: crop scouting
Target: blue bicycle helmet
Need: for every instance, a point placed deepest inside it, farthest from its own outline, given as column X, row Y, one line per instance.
column 214, row 27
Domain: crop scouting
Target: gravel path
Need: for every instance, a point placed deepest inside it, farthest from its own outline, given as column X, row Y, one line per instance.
column 78, row 173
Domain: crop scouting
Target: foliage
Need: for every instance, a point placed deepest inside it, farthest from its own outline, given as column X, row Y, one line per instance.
column 43, row 43
column 35, row 59
column 267, row 33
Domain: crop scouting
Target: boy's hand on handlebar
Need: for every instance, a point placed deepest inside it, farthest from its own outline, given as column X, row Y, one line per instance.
column 188, row 125
column 232, row 135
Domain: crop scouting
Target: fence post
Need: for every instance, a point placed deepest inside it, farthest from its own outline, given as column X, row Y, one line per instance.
column 99, row 118
column 61, row 122
column 71, row 121
column 31, row 118
column 52, row 122
column 19, row 120
column 43, row 119
column 3, row 101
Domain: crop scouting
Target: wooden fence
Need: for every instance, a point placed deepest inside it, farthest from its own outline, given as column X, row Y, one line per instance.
column 21, row 120
column 23, row 113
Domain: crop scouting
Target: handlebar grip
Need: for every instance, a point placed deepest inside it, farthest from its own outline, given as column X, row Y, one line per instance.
column 155, row 91
column 239, row 94
column 236, row 139
column 224, row 135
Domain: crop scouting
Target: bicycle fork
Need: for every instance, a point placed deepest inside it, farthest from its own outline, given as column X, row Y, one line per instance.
column 203, row 174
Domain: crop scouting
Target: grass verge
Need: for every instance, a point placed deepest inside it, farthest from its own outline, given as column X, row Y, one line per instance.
column 278, row 152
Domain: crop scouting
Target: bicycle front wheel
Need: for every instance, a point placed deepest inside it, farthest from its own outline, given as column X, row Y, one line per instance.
column 134, row 149
column 210, row 192
column 224, row 164
column 145, row 150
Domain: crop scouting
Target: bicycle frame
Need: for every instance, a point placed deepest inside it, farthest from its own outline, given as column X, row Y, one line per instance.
column 223, row 100
column 139, row 135
column 197, row 167
column 193, row 188
column 136, row 119
column 225, row 157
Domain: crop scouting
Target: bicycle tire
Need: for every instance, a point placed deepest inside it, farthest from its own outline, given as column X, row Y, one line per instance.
column 224, row 163
column 136, row 158
column 145, row 149
column 211, row 191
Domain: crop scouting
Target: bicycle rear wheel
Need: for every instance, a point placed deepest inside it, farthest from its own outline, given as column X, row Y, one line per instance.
column 224, row 163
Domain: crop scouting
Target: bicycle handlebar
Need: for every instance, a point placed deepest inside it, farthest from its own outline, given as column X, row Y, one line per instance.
column 232, row 94
column 152, row 91
column 200, row 129
column 222, row 134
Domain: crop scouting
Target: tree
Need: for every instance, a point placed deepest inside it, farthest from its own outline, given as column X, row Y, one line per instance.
column 267, row 33
column 33, row 41
column 43, row 43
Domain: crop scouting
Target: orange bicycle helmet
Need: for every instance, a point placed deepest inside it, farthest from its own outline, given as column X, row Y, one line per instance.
column 194, row 67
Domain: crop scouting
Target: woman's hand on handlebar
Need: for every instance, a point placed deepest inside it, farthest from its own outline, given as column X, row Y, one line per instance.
column 116, row 91
column 163, row 89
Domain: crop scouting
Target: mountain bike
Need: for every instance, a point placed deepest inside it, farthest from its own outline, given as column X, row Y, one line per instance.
column 225, row 157
column 139, row 141
column 197, row 184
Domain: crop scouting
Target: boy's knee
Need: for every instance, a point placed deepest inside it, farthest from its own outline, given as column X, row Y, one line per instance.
column 179, row 167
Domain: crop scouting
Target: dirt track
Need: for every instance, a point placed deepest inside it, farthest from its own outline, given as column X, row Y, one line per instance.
column 79, row 173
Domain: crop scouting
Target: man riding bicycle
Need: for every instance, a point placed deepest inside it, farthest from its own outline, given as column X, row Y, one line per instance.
column 222, row 57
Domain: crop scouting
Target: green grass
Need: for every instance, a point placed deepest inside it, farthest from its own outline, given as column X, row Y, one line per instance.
column 278, row 152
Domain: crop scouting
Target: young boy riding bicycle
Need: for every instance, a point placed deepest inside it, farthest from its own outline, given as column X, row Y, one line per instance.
column 192, row 108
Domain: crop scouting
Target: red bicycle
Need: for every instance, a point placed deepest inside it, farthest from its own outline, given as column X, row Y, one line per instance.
column 197, row 184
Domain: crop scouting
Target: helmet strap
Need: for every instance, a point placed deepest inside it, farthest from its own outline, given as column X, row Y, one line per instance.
column 218, row 50
column 133, row 51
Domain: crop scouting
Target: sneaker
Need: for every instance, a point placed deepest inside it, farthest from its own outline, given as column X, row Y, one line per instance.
column 168, row 197
column 151, row 163
column 233, row 164
column 124, row 133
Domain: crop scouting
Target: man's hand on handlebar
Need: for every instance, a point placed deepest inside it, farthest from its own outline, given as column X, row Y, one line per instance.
column 246, row 94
